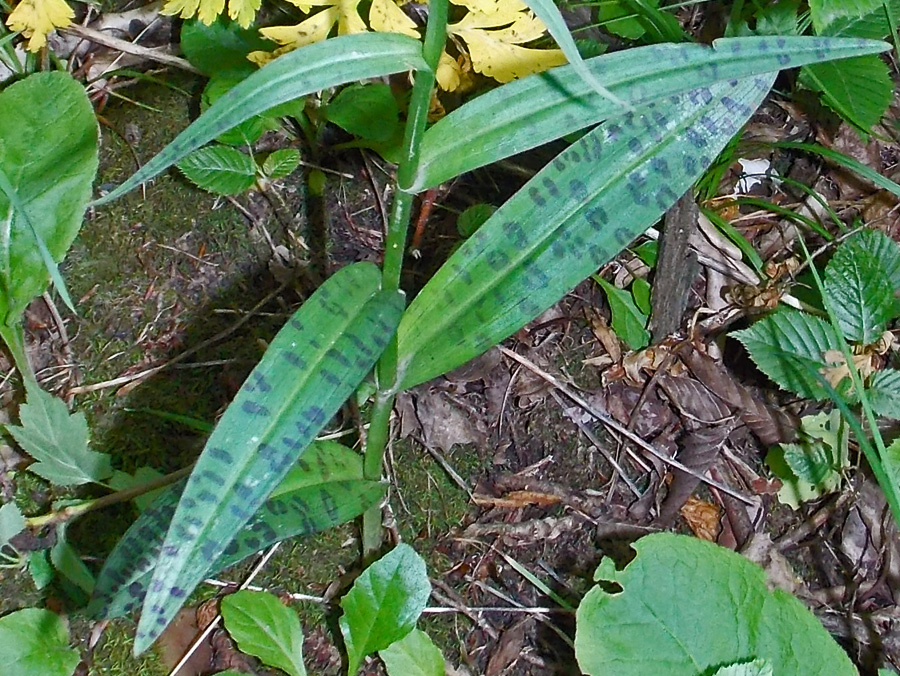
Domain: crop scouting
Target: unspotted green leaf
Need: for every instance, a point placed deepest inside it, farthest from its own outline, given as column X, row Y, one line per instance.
column 262, row 626
column 859, row 89
column 281, row 163
column 35, row 642
column 413, row 655
column 884, row 393
column 369, row 111
column 686, row 607
column 384, row 603
column 628, row 321
column 220, row 169
column 12, row 522
column 754, row 668
column 58, row 441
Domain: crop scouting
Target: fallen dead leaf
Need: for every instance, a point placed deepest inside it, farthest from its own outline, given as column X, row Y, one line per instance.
column 703, row 518
column 517, row 499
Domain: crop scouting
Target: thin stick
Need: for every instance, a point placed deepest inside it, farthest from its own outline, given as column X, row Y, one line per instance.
column 151, row 54
column 621, row 429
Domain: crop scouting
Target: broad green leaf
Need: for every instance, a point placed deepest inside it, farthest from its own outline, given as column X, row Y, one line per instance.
column 35, row 642
column 473, row 218
column 221, row 46
column 262, row 626
column 58, row 441
column 369, row 111
column 787, row 344
column 40, row 569
column 874, row 25
column 331, row 63
column 859, row 90
column 281, row 163
column 413, row 655
column 220, row 169
column 754, row 668
column 628, row 322
column 616, row 17
column 640, row 291
column 537, row 109
column 69, row 564
column 324, row 489
column 892, row 461
column 12, row 522
column 825, row 12
column 577, row 213
column 384, row 603
column 885, row 250
column 686, row 607
column 860, row 291
column 884, row 393
column 48, row 159
column 310, row 368
column 247, row 132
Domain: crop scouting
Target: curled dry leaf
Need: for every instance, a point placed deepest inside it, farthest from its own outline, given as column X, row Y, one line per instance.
column 702, row 517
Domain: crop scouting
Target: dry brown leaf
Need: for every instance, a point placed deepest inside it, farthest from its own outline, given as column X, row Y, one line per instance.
column 517, row 499
column 703, row 518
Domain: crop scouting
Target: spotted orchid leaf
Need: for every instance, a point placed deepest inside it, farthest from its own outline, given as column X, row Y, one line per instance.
column 572, row 217
column 311, row 367
column 324, row 489
column 540, row 108
column 348, row 58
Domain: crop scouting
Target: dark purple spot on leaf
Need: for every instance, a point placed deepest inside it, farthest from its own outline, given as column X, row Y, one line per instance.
column 220, row 454
column 578, row 190
column 254, row 408
column 660, row 166
column 536, row 196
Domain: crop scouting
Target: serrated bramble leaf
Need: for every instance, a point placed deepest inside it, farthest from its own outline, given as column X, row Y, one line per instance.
column 825, row 12
column 384, row 603
column 309, row 370
column 789, row 347
column 35, row 642
column 220, row 46
column 281, row 163
column 684, row 607
column 540, row 108
column 220, row 170
column 577, row 213
column 348, row 58
column 859, row 89
column 754, row 668
column 325, row 489
column 860, row 292
column 885, row 250
column 413, row 655
column 262, row 626
column 58, row 441
column 884, row 393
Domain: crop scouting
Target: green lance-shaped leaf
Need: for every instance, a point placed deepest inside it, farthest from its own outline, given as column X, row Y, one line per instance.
column 48, row 159
column 384, row 604
column 311, row 367
column 324, row 489
column 348, row 58
column 576, row 214
column 540, row 108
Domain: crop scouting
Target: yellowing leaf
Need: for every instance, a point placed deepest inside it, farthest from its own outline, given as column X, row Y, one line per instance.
column 36, row 18
column 314, row 29
column 492, row 6
column 243, row 11
column 498, row 53
column 449, row 73
column 386, row 17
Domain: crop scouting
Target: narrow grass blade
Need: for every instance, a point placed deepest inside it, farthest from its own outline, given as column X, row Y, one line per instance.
column 576, row 214
column 348, row 58
column 540, row 108
column 311, row 367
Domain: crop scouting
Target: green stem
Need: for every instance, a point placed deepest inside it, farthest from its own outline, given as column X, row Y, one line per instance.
column 14, row 337
column 394, row 248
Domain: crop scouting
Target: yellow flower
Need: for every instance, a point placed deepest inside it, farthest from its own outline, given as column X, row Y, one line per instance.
column 36, row 18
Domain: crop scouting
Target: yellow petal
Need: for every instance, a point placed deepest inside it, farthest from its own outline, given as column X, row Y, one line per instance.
column 504, row 61
column 448, row 73
column 314, row 29
column 386, row 17
column 243, row 11
column 36, row 18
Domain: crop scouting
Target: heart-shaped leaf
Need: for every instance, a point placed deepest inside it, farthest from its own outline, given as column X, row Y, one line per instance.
column 324, row 489
column 48, row 159
column 311, row 367
column 348, row 58
column 576, row 214
column 540, row 108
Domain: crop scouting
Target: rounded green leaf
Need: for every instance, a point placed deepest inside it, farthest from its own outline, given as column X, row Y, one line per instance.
column 48, row 156
column 369, row 111
column 384, row 603
column 687, row 606
column 413, row 655
column 262, row 626
column 35, row 642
